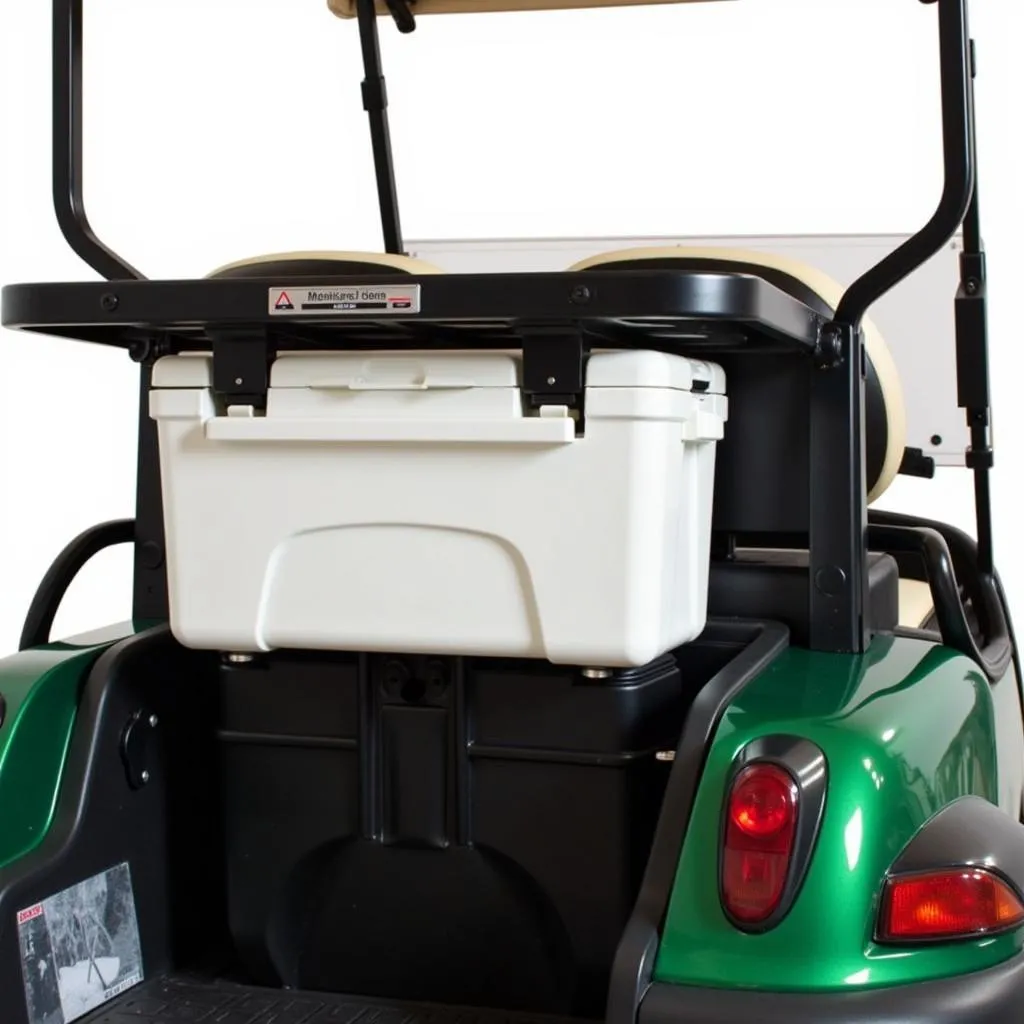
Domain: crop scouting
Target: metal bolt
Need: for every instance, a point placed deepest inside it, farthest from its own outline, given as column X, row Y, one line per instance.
column 971, row 286
column 151, row 555
column 109, row 302
column 238, row 380
column 580, row 294
column 830, row 580
column 936, row 439
column 239, row 659
column 551, row 380
column 145, row 775
column 153, row 721
column 597, row 673
column 831, row 348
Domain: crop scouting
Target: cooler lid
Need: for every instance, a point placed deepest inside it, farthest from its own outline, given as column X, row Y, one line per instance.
column 645, row 369
column 387, row 371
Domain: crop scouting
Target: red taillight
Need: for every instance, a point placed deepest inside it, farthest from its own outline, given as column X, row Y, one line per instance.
column 760, row 825
column 947, row 904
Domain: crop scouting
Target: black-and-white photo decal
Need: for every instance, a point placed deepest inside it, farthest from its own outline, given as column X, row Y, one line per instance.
column 80, row 948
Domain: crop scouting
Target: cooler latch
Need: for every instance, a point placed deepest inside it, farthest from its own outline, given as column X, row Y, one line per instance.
column 241, row 367
column 553, row 358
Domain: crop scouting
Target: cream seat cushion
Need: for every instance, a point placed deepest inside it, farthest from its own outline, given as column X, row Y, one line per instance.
column 347, row 8
column 916, row 603
column 324, row 262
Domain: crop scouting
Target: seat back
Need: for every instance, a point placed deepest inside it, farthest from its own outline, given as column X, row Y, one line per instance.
column 769, row 395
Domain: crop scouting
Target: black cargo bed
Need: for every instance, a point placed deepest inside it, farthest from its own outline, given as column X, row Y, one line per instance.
column 323, row 823
column 177, row 1000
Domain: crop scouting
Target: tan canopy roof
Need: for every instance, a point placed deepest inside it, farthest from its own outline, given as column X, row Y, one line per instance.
column 347, row 8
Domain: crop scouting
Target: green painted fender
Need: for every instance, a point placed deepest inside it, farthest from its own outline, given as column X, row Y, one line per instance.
column 906, row 729
column 41, row 690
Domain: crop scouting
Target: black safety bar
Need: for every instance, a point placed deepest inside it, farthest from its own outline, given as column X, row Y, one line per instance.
column 60, row 575
column 950, row 561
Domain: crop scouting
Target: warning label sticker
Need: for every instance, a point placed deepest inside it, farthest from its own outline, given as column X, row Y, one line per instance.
column 345, row 300
column 80, row 948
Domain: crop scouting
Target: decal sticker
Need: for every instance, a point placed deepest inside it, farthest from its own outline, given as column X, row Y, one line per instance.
column 80, row 948
column 345, row 300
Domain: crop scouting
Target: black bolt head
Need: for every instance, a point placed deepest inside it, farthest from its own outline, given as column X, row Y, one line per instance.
column 151, row 555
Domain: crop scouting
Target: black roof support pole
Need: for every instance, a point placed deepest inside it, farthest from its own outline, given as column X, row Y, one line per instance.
column 972, row 369
column 68, row 202
column 838, row 503
column 958, row 157
column 838, row 498
column 375, row 102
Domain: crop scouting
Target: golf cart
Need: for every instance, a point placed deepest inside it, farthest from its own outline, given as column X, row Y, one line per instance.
column 517, row 647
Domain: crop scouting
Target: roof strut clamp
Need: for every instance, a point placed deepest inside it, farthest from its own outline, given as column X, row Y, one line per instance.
column 241, row 367
column 972, row 372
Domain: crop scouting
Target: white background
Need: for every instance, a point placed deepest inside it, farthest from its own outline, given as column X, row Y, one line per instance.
column 218, row 129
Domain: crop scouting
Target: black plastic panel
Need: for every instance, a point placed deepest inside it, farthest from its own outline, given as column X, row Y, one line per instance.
column 164, row 829
column 436, row 829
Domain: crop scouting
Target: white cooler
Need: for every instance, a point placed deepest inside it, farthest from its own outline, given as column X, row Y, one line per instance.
column 409, row 502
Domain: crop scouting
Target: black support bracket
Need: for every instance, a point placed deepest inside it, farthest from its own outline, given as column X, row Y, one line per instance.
column 838, row 495
column 553, row 359
column 916, row 463
column 241, row 367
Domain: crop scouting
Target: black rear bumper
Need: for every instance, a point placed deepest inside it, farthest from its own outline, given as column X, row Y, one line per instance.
column 993, row 996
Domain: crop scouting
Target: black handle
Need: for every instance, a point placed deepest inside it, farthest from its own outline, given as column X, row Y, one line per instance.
column 60, row 575
column 950, row 559
column 68, row 194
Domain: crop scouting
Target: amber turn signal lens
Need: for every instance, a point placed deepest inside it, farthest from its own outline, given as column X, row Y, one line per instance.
column 950, row 904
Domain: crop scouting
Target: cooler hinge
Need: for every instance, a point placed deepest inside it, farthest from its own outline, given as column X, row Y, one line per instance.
column 241, row 367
